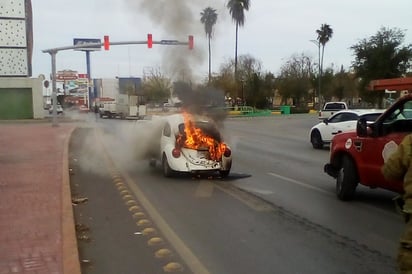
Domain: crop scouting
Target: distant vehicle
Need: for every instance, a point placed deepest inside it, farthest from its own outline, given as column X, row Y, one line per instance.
column 123, row 106
column 329, row 108
column 83, row 109
column 342, row 121
column 357, row 157
column 59, row 109
column 107, row 109
column 192, row 144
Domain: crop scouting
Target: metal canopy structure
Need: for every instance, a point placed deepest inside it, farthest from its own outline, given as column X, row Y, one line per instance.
column 398, row 84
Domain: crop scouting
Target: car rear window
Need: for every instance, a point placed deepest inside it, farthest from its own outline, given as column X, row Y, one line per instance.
column 334, row 106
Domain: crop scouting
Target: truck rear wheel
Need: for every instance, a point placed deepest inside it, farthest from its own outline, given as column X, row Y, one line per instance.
column 347, row 179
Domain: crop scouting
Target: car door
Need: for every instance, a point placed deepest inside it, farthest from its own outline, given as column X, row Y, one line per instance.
column 340, row 122
column 370, row 153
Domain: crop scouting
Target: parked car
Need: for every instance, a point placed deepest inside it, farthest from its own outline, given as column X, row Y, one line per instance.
column 192, row 144
column 59, row 109
column 357, row 157
column 342, row 121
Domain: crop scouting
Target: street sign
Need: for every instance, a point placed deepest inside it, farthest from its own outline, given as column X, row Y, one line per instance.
column 169, row 42
column 94, row 44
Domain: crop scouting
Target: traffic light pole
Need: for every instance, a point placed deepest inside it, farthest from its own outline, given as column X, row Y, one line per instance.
column 84, row 47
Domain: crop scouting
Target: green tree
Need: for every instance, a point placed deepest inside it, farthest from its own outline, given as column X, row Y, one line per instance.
column 208, row 19
column 380, row 56
column 237, row 11
column 344, row 86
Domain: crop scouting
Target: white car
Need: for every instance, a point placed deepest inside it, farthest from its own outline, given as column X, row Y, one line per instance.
column 192, row 144
column 342, row 121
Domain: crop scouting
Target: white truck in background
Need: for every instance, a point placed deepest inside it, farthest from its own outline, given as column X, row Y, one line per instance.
column 329, row 108
column 107, row 109
column 123, row 107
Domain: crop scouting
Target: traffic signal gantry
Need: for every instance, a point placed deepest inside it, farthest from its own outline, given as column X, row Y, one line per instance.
column 149, row 42
column 88, row 45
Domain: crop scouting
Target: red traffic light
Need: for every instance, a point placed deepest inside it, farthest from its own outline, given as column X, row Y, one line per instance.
column 191, row 42
column 149, row 41
column 106, row 42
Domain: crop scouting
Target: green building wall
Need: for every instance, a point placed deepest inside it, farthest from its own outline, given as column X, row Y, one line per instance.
column 16, row 103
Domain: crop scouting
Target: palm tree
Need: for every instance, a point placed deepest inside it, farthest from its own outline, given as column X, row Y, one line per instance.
column 209, row 18
column 324, row 35
column 237, row 11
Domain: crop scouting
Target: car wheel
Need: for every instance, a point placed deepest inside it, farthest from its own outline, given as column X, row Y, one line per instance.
column 347, row 179
column 224, row 173
column 316, row 139
column 167, row 171
column 152, row 162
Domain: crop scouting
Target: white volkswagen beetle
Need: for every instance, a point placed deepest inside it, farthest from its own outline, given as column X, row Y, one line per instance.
column 192, row 144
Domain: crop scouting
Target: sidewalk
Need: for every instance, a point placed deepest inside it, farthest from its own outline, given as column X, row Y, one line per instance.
column 36, row 221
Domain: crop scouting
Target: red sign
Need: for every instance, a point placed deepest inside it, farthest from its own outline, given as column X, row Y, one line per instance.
column 66, row 77
column 83, row 75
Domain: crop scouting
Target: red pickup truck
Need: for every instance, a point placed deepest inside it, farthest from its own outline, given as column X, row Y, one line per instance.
column 357, row 157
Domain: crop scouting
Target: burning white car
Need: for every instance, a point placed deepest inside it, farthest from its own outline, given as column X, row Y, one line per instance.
column 192, row 144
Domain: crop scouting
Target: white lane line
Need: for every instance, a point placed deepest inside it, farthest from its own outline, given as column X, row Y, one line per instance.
column 364, row 206
column 300, row 183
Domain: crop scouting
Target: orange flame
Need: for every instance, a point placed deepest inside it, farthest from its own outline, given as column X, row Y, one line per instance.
column 195, row 138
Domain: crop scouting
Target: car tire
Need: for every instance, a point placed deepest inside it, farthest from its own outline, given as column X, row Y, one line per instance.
column 167, row 171
column 224, row 173
column 316, row 139
column 347, row 179
column 152, row 162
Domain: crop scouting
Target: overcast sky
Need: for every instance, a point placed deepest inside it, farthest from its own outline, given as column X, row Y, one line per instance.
column 273, row 32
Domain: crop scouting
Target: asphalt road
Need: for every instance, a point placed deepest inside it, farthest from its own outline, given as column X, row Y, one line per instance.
column 275, row 213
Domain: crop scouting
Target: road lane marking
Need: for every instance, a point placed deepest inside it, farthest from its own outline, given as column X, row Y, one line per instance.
column 249, row 199
column 365, row 206
column 299, row 183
